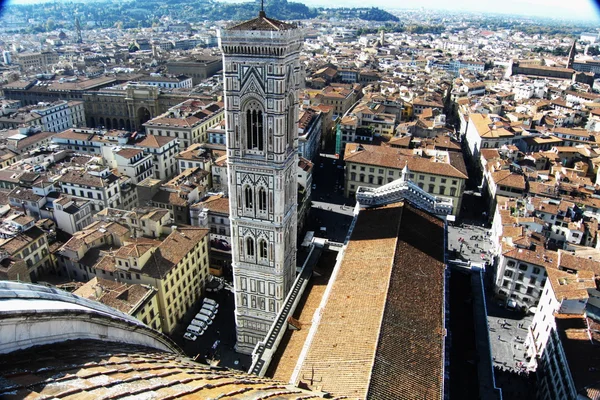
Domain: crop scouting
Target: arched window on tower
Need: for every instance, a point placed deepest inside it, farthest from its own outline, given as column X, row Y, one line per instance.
column 262, row 199
column 263, row 249
column 248, row 197
column 254, row 128
column 291, row 123
column 249, row 247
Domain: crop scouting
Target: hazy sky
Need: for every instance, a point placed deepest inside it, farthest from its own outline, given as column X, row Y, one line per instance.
column 570, row 9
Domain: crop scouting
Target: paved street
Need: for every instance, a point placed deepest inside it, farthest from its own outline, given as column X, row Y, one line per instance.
column 222, row 329
column 508, row 330
column 468, row 243
column 330, row 209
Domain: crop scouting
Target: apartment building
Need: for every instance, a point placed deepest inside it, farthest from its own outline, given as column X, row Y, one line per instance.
column 26, row 242
column 162, row 150
column 37, row 61
column 440, row 173
column 310, row 128
column 341, row 97
column 167, row 82
column 139, row 301
column 195, row 156
column 562, row 341
column 98, row 185
column 187, row 122
column 487, row 131
column 133, row 163
column 176, row 267
column 213, row 213
column 72, row 214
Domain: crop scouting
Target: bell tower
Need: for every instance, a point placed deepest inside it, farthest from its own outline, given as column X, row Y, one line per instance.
column 261, row 76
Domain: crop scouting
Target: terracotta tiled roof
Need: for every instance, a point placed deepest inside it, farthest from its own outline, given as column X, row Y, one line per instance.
column 509, row 179
column 343, row 347
column 154, row 141
column 121, row 296
column 409, row 362
column 218, row 203
column 262, row 23
column 486, row 128
column 372, row 337
column 172, row 250
column 390, row 157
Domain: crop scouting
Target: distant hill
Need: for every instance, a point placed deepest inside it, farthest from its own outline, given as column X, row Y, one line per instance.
column 282, row 9
column 145, row 13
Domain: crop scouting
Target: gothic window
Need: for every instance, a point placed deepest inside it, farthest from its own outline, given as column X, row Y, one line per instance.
column 262, row 199
column 291, row 123
column 254, row 128
column 248, row 201
column 263, row 249
column 250, row 247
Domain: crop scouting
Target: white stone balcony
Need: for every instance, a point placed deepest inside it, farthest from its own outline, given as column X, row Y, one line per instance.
column 403, row 190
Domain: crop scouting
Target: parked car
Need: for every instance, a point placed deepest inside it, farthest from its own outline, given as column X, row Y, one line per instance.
column 210, row 307
column 196, row 330
column 190, row 336
column 199, row 323
column 210, row 301
column 208, row 312
column 204, row 318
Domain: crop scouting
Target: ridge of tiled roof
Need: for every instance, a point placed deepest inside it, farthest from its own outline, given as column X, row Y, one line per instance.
column 262, row 23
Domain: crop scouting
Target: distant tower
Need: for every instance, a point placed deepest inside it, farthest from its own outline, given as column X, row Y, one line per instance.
column 6, row 57
column 78, row 30
column 261, row 83
column 382, row 37
column 572, row 53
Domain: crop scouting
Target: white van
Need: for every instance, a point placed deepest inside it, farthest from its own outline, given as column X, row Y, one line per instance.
column 196, row 330
column 210, row 307
column 198, row 323
column 204, row 318
column 211, row 302
column 207, row 312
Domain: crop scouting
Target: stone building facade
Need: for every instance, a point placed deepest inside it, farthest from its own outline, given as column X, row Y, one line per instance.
column 261, row 82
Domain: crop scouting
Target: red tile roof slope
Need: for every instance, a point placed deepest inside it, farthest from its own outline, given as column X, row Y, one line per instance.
column 409, row 362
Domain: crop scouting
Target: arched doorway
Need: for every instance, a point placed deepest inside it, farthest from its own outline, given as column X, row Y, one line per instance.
column 115, row 124
column 128, row 125
column 121, row 123
column 92, row 122
column 108, row 124
column 143, row 115
column 101, row 122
